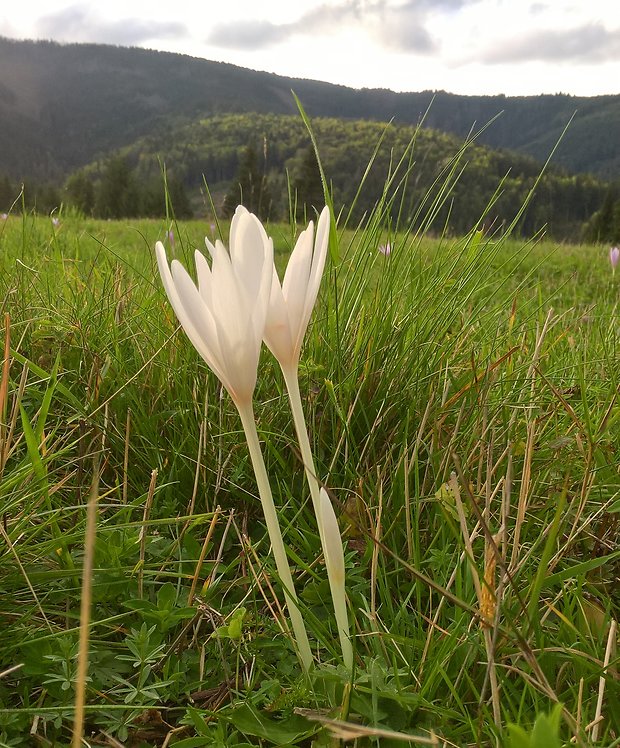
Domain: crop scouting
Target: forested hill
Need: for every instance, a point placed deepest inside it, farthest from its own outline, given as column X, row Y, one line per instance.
column 61, row 106
column 261, row 159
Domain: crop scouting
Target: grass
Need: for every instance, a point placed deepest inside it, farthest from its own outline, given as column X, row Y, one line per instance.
column 461, row 398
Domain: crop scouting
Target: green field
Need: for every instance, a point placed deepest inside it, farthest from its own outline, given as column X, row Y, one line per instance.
column 462, row 401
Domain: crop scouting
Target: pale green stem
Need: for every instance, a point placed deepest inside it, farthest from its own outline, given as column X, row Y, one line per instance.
column 336, row 585
column 334, row 562
column 275, row 536
column 292, row 385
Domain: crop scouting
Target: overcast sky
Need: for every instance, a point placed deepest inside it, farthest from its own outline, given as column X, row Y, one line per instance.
column 516, row 47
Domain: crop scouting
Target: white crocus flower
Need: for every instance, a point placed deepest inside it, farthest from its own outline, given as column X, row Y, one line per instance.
column 291, row 304
column 290, row 307
column 224, row 317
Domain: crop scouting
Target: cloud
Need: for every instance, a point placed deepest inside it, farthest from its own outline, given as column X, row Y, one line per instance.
column 259, row 34
column 79, row 23
column 249, row 34
column 589, row 44
column 403, row 28
column 395, row 25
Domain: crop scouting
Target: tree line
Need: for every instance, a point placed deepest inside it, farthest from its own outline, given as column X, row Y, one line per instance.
column 268, row 163
column 114, row 191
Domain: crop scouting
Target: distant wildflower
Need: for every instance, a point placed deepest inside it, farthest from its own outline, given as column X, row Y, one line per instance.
column 3, row 216
column 170, row 236
column 55, row 221
column 385, row 249
column 614, row 257
column 212, row 227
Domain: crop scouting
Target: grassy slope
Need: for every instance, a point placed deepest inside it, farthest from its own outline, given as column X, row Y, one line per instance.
column 488, row 360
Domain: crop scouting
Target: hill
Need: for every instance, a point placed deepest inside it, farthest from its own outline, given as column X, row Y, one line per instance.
column 61, row 106
column 450, row 184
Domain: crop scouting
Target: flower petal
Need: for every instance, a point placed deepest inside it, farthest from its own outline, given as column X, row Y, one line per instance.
column 234, row 224
column 277, row 334
column 248, row 250
column 199, row 323
column 187, row 319
column 295, row 284
column 203, row 272
column 319, row 256
column 239, row 344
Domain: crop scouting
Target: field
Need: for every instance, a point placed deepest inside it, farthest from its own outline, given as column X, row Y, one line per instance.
column 461, row 396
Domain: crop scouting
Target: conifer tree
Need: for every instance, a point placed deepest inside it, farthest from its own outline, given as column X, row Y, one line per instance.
column 249, row 188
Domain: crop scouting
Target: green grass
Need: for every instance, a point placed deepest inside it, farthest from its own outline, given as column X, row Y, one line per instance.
column 461, row 396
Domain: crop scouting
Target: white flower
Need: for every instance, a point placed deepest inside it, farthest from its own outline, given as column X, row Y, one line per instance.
column 291, row 304
column 224, row 316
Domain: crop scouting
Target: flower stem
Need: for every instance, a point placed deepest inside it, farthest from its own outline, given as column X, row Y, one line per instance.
column 334, row 562
column 275, row 536
column 336, row 578
column 292, row 385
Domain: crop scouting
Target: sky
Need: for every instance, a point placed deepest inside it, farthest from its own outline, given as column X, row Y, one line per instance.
column 514, row 47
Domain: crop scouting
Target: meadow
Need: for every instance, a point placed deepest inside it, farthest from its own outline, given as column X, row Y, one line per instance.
column 461, row 395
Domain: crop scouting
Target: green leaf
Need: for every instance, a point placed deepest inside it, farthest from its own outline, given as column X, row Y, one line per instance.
column 518, row 737
column 235, row 624
column 47, row 400
column 579, row 570
column 546, row 729
column 166, row 596
column 33, row 450
column 288, row 731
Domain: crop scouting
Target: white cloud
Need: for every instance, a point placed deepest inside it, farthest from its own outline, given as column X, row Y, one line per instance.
column 82, row 23
column 589, row 44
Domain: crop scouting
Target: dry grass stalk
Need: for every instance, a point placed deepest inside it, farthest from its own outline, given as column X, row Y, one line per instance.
column 203, row 553
column 85, row 604
column 489, row 615
column 126, row 455
column 5, row 447
column 408, row 461
column 220, row 550
column 488, row 599
column 460, row 510
column 4, row 383
column 24, row 573
column 145, row 517
column 272, row 603
column 609, row 649
column 375, row 555
column 352, row 731
column 529, row 447
column 201, row 441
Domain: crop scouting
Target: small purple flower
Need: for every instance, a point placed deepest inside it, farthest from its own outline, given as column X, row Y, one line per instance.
column 614, row 257
column 212, row 227
column 170, row 235
column 385, row 249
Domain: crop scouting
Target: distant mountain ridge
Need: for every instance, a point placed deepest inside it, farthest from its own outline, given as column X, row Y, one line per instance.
column 62, row 106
